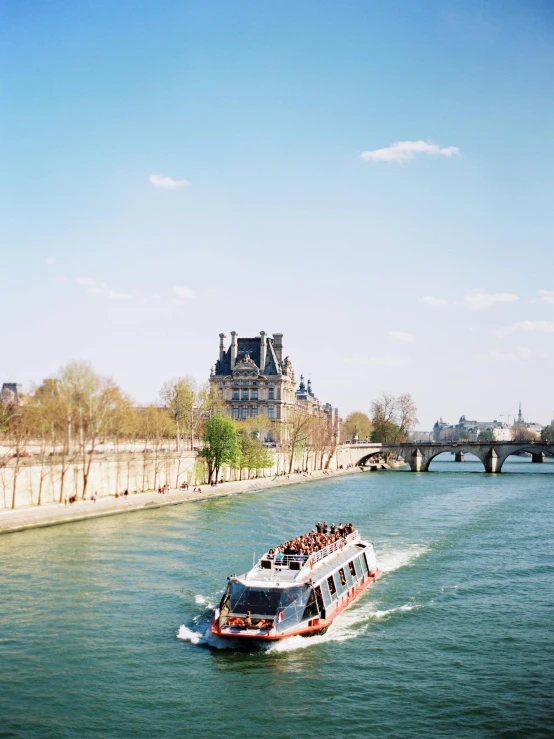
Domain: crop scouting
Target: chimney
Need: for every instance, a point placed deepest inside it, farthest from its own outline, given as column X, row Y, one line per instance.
column 263, row 350
column 234, row 348
column 222, row 338
column 278, row 346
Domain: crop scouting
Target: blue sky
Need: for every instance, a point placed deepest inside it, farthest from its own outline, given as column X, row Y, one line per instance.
column 171, row 170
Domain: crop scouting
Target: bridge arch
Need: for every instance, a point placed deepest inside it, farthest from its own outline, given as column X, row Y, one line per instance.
column 460, row 448
column 527, row 446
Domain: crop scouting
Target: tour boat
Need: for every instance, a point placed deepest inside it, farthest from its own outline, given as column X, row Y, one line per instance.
column 293, row 594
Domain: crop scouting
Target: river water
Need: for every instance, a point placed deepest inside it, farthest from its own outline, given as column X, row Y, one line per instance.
column 103, row 623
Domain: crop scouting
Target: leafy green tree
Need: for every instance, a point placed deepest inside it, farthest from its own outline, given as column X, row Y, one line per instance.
column 394, row 416
column 221, row 444
column 357, row 423
column 386, row 433
column 548, row 433
column 254, row 455
column 486, row 435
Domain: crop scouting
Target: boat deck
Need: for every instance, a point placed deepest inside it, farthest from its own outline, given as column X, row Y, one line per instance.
column 287, row 569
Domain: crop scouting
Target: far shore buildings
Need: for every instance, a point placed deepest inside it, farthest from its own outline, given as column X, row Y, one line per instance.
column 468, row 430
column 256, row 380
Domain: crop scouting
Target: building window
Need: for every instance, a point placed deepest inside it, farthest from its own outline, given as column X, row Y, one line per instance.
column 254, row 411
column 235, row 411
column 244, row 412
column 235, row 393
column 271, row 411
column 254, row 395
column 271, row 395
column 245, row 393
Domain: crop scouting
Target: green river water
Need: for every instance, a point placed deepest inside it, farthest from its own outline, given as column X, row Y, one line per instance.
column 103, row 624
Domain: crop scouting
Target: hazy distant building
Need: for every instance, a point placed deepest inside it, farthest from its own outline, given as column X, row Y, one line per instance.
column 10, row 393
column 469, row 430
column 254, row 380
column 422, row 436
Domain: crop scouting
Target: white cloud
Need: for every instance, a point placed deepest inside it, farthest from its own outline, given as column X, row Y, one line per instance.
column 96, row 287
column 476, row 300
column 401, row 336
column 540, row 327
column 480, row 300
column 91, row 285
column 167, row 183
column 401, row 151
column 495, row 356
column 547, row 296
column 183, row 292
column 520, row 354
column 50, row 260
column 383, row 361
column 435, row 302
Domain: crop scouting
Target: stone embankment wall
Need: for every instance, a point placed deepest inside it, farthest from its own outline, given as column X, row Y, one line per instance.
column 113, row 473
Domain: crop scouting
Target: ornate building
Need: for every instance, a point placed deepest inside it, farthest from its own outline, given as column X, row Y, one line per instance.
column 255, row 380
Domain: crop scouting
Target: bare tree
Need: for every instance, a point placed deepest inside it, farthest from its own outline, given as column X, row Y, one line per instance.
column 296, row 432
column 393, row 417
column 179, row 397
column 520, row 432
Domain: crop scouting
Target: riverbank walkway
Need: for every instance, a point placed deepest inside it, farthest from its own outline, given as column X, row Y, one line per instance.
column 53, row 514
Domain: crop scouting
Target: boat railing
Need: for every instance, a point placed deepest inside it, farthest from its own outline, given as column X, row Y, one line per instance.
column 301, row 561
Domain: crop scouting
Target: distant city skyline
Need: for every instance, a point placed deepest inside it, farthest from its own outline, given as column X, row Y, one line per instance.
column 374, row 181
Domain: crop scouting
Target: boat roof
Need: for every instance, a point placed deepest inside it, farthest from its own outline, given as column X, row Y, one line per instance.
column 297, row 569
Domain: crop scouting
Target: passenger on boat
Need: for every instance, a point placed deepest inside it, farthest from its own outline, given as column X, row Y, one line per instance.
column 314, row 541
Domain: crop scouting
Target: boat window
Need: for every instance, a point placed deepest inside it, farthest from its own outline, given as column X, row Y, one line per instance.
column 311, row 610
column 352, row 570
column 364, row 563
column 358, row 567
column 319, row 599
column 260, row 601
column 348, row 576
column 236, row 589
column 326, row 594
column 289, row 595
column 338, row 583
column 332, row 587
column 296, row 599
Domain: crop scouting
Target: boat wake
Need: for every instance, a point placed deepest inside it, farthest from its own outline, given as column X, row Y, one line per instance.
column 351, row 623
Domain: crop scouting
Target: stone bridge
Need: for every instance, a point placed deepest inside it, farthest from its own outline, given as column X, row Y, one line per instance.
column 420, row 455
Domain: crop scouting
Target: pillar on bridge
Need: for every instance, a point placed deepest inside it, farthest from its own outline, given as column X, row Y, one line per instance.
column 459, row 457
column 492, row 463
column 416, row 461
column 538, row 458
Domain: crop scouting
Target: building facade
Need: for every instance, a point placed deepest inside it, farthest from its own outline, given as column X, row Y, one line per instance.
column 468, row 430
column 255, row 380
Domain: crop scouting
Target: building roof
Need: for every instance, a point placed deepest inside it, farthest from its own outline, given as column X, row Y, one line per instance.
column 252, row 348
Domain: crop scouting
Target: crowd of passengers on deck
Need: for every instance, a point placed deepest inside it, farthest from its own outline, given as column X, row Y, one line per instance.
column 312, row 542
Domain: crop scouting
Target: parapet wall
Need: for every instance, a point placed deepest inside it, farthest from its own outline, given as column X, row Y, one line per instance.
column 114, row 473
